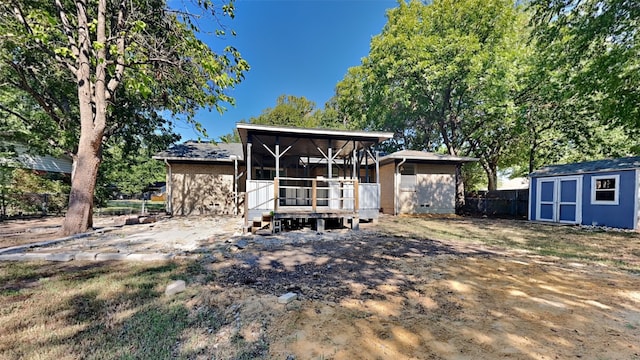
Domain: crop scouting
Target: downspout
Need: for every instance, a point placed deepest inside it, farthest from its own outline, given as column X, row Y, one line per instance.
column 169, row 206
column 397, row 186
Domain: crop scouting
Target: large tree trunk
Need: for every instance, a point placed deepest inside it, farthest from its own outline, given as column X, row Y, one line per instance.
column 79, row 216
column 92, row 98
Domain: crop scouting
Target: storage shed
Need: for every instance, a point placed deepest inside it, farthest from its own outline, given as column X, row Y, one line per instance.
column 599, row 193
column 418, row 182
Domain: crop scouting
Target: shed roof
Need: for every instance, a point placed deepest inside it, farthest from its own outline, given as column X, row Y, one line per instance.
column 423, row 156
column 625, row 163
column 202, row 152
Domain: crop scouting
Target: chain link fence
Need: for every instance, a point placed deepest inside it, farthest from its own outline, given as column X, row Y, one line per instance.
column 14, row 205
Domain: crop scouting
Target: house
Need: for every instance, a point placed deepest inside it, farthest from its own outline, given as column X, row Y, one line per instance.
column 599, row 193
column 22, row 158
column 279, row 175
column 203, row 178
column 297, row 174
column 418, row 182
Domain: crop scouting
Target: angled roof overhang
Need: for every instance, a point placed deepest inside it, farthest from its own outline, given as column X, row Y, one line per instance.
column 305, row 141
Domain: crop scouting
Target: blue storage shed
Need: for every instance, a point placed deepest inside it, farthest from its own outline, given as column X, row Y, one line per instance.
column 599, row 193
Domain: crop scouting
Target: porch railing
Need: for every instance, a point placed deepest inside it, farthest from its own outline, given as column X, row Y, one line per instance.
column 312, row 194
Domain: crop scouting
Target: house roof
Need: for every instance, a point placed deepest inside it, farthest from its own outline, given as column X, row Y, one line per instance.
column 423, row 156
column 625, row 163
column 24, row 159
column 202, row 152
column 306, row 141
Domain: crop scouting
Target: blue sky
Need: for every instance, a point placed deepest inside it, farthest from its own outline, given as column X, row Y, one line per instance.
column 294, row 47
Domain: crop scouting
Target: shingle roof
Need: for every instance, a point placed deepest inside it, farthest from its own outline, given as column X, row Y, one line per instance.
column 425, row 156
column 194, row 151
column 625, row 163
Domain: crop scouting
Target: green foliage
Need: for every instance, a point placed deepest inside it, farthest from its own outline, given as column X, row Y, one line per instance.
column 596, row 43
column 25, row 191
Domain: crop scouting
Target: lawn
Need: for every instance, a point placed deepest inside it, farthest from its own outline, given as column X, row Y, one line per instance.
column 408, row 288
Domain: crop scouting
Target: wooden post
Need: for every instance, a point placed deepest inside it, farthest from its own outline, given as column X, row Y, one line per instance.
column 276, row 193
column 356, row 197
column 314, row 195
column 246, row 211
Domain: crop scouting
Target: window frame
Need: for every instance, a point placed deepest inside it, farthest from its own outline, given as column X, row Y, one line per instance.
column 616, row 190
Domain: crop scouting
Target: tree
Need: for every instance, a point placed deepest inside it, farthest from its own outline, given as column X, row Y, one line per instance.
column 439, row 76
column 596, row 41
column 116, row 55
column 289, row 111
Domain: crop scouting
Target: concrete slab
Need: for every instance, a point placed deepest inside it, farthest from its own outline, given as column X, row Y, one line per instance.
column 12, row 257
column 64, row 257
column 35, row 256
column 111, row 256
column 86, row 256
column 149, row 257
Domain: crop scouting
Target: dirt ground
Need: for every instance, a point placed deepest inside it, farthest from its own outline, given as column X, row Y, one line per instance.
column 384, row 293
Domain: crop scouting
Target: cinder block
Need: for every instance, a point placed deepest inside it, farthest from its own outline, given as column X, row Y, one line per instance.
column 287, row 298
column 111, row 256
column 175, row 287
column 64, row 257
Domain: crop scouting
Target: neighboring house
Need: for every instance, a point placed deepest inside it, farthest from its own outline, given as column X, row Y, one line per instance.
column 600, row 193
column 418, row 182
column 203, row 178
column 45, row 163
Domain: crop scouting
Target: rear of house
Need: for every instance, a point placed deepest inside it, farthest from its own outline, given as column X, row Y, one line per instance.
column 598, row 193
column 202, row 178
column 418, row 182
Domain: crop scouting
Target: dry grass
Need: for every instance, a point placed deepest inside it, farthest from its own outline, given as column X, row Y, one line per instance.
column 617, row 248
column 118, row 310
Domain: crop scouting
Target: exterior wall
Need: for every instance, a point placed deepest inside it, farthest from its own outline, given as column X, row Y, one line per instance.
column 432, row 190
column 619, row 216
column 202, row 189
column 387, row 188
column 622, row 215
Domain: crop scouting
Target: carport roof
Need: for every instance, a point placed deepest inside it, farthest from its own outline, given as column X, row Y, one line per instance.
column 423, row 156
column 625, row 163
column 202, row 152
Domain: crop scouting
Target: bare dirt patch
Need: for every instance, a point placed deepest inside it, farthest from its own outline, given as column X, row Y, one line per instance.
column 408, row 288
column 378, row 296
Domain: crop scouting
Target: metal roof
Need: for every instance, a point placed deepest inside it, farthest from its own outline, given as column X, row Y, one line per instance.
column 306, row 141
column 625, row 163
column 424, row 157
column 203, row 152
column 24, row 159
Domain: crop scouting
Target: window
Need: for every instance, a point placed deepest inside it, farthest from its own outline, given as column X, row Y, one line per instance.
column 408, row 169
column 605, row 189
